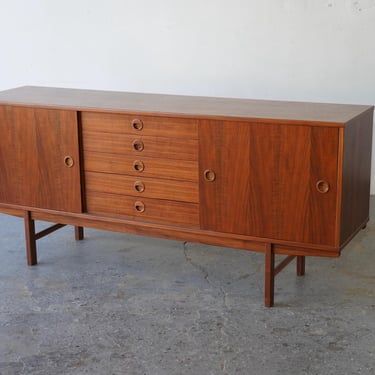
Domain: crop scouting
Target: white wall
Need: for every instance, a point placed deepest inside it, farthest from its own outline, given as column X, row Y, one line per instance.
column 315, row 50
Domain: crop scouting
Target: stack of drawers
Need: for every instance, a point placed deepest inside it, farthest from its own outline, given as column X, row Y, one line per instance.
column 141, row 167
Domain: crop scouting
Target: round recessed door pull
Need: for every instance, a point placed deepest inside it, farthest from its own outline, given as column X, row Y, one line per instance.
column 139, row 186
column 322, row 186
column 138, row 145
column 137, row 124
column 139, row 206
column 209, row 175
column 68, row 161
column 139, row 166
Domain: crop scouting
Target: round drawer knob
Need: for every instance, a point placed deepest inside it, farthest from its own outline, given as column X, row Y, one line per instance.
column 322, row 186
column 138, row 145
column 209, row 175
column 137, row 124
column 68, row 161
column 139, row 186
column 139, row 166
column 139, row 206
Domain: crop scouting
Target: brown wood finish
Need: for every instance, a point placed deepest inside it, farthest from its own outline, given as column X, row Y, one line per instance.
column 356, row 175
column 30, row 239
column 185, row 106
column 266, row 178
column 279, row 173
column 156, row 210
column 272, row 270
column 225, row 205
column 159, row 147
column 275, row 177
column 269, row 276
column 31, row 236
column 322, row 205
column 147, row 125
column 34, row 173
column 147, row 187
column 301, row 265
column 160, row 230
column 79, row 233
column 184, row 170
column 12, row 211
column 187, row 233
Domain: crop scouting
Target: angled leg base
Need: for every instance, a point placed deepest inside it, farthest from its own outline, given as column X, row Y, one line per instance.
column 271, row 270
column 31, row 236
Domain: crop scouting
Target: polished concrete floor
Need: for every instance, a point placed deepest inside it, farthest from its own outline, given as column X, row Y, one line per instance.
column 121, row 304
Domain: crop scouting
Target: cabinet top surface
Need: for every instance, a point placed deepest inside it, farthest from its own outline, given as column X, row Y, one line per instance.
column 183, row 106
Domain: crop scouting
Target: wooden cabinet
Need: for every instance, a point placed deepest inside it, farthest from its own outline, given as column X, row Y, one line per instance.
column 274, row 177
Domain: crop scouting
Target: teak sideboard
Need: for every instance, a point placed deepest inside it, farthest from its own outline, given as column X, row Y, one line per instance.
column 275, row 177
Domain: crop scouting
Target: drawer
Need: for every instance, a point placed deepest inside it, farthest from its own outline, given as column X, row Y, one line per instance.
column 139, row 124
column 143, row 167
column 142, row 187
column 171, row 148
column 145, row 209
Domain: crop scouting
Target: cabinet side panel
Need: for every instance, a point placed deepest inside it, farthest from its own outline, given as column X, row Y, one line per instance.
column 8, row 156
column 356, row 175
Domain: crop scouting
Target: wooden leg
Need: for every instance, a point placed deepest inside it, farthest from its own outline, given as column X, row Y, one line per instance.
column 79, row 234
column 269, row 286
column 300, row 265
column 30, row 239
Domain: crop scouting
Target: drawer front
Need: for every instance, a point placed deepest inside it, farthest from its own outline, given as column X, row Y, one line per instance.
column 139, row 125
column 142, row 187
column 142, row 167
column 145, row 209
column 160, row 147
